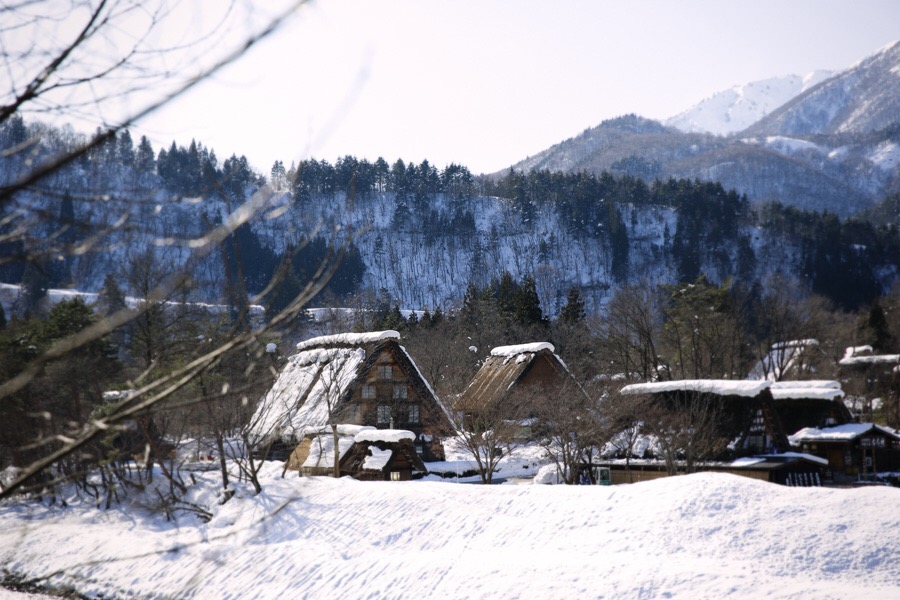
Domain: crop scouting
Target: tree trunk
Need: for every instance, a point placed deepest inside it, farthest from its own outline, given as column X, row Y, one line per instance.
column 337, row 452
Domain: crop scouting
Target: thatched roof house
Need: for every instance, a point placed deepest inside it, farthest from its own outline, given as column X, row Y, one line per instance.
column 794, row 358
column 744, row 410
column 359, row 379
column 511, row 373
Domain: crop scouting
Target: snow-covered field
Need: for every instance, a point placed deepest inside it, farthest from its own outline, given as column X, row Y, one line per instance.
column 697, row 536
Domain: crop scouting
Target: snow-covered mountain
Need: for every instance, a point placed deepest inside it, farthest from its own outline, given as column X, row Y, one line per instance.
column 833, row 147
column 862, row 99
column 741, row 106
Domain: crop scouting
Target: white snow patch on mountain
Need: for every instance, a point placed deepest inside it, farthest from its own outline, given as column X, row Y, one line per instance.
column 737, row 108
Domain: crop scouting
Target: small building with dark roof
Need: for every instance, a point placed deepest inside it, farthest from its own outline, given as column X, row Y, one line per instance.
column 364, row 453
column 855, row 451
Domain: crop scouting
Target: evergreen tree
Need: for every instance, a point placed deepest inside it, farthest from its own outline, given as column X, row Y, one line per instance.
column 110, row 299
column 144, row 160
column 2, row 317
column 125, row 149
column 573, row 311
column 527, row 304
column 874, row 329
column 35, row 284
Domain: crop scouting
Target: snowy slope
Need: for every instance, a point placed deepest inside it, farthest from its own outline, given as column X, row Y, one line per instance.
column 861, row 99
column 737, row 108
column 696, row 536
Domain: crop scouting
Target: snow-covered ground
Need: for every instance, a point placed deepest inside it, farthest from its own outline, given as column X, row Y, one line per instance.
column 696, row 536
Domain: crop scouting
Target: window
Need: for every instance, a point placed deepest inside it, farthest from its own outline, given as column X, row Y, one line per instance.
column 395, row 475
column 384, row 414
column 400, row 392
column 368, row 392
column 413, row 413
column 420, row 450
column 385, row 372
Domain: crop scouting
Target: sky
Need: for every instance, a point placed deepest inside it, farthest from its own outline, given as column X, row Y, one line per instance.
column 489, row 83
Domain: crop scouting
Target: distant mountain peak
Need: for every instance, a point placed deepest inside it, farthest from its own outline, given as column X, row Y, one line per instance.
column 861, row 99
column 737, row 108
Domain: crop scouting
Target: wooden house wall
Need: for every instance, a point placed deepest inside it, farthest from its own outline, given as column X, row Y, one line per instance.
column 797, row 413
column 432, row 422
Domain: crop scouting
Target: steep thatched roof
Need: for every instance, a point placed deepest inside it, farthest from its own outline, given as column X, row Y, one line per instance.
column 500, row 374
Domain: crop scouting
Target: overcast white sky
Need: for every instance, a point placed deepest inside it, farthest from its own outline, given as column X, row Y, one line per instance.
column 487, row 83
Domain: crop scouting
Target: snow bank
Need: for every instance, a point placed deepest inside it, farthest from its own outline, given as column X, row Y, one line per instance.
column 693, row 536
column 349, row 339
column 509, row 351
column 723, row 387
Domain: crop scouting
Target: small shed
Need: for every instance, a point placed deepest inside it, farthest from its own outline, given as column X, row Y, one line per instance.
column 854, row 451
column 364, row 453
column 383, row 455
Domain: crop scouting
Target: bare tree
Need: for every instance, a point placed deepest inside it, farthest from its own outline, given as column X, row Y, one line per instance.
column 492, row 431
column 686, row 427
column 83, row 69
column 631, row 334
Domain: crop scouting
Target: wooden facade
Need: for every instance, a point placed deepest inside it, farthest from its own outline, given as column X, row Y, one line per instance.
column 855, row 451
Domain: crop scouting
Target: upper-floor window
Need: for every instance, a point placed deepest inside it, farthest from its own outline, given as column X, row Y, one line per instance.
column 385, row 372
column 368, row 392
column 400, row 392
column 384, row 414
column 413, row 413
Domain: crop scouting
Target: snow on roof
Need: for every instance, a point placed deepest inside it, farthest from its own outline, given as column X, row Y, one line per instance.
column 747, row 461
column 795, row 344
column 821, row 389
column 342, row 429
column 300, row 396
column 722, row 387
column 321, row 451
column 509, row 351
column 377, row 459
column 384, row 435
column 871, row 359
column 838, row 433
column 855, row 350
column 349, row 339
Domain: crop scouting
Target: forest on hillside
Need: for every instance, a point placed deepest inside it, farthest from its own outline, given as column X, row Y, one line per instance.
column 415, row 233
